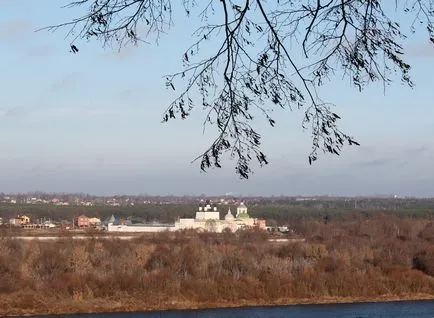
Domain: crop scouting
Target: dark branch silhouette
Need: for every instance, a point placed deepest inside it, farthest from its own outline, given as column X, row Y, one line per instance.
column 254, row 69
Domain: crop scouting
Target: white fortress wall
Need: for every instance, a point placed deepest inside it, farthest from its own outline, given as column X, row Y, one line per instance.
column 184, row 224
column 208, row 215
column 139, row 228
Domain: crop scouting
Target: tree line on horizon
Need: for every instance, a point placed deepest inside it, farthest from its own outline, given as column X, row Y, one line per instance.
column 274, row 214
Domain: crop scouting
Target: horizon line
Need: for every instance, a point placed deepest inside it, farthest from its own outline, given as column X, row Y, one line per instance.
column 233, row 195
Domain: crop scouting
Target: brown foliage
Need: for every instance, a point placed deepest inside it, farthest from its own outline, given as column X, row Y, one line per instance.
column 428, row 232
column 353, row 259
column 424, row 261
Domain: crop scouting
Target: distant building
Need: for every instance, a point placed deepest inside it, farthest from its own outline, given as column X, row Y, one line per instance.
column 23, row 219
column 261, row 223
column 82, row 221
column 206, row 219
column 111, row 219
column 94, row 222
column 49, row 224
column 207, row 213
column 44, row 225
column 14, row 221
column 242, row 210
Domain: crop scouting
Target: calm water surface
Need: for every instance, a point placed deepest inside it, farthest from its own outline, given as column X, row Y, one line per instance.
column 420, row 309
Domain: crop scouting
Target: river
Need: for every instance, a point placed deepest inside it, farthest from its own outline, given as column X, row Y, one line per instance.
column 407, row 309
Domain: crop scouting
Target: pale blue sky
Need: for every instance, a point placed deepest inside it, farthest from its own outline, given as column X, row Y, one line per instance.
column 90, row 122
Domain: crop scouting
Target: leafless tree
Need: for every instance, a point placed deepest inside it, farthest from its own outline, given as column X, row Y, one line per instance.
column 254, row 69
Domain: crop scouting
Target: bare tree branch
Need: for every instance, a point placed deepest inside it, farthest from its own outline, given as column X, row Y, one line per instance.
column 254, row 69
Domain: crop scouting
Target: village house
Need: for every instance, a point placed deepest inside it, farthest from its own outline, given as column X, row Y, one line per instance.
column 23, row 219
column 94, row 222
column 82, row 221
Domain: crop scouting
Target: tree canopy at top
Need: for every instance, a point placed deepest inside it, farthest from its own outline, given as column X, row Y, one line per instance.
column 253, row 67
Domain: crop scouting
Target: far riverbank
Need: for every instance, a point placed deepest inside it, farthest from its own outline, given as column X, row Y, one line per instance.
column 339, row 262
column 122, row 237
column 128, row 305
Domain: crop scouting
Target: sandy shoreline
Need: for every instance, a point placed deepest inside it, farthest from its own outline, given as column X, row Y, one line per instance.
column 126, row 305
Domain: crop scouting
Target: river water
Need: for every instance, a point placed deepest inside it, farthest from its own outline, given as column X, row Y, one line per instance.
column 408, row 309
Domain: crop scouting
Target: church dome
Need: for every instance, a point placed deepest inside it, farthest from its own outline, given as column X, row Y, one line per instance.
column 229, row 215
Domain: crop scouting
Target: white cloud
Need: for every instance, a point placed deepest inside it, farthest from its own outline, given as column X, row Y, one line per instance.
column 424, row 50
column 39, row 114
column 67, row 81
column 15, row 30
column 43, row 50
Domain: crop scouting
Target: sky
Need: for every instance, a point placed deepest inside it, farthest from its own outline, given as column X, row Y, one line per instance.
column 91, row 122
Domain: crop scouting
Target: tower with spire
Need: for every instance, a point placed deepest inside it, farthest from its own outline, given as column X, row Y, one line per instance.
column 242, row 211
column 229, row 216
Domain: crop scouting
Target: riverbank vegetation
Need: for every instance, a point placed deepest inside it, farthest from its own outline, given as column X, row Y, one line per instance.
column 354, row 258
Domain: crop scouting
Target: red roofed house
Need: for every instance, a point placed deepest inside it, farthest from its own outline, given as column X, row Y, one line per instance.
column 83, row 221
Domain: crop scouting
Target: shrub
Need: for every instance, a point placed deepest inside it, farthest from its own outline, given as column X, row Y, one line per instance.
column 427, row 233
column 424, row 261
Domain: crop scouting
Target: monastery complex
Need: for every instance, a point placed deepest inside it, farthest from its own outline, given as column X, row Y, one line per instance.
column 206, row 219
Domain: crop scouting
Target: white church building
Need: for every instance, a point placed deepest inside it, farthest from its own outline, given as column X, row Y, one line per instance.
column 206, row 219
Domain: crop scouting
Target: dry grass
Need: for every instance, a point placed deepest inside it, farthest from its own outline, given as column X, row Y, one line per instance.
column 353, row 260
